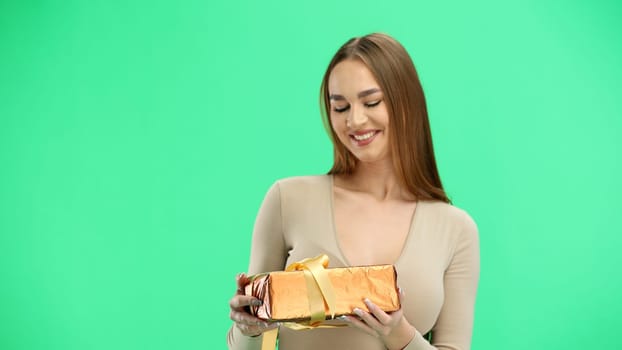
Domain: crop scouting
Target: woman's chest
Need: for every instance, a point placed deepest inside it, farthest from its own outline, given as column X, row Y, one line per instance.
column 420, row 275
column 370, row 232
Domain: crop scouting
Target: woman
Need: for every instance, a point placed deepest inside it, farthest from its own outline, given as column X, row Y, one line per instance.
column 381, row 203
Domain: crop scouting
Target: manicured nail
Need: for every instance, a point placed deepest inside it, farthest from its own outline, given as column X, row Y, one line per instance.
column 256, row 302
column 358, row 311
column 367, row 302
column 343, row 318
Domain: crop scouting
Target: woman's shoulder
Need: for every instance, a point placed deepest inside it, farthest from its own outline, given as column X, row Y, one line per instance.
column 303, row 183
column 303, row 191
column 449, row 215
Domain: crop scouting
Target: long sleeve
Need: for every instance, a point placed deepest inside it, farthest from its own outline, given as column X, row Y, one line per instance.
column 454, row 326
column 268, row 253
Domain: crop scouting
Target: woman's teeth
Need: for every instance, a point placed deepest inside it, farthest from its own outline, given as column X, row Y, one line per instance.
column 364, row 136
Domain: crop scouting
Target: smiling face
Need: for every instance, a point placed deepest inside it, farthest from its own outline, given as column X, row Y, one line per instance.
column 380, row 117
column 358, row 113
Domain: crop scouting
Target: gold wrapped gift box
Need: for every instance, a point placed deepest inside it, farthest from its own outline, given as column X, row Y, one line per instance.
column 285, row 295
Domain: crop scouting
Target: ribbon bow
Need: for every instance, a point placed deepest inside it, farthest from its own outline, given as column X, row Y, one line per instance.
column 320, row 294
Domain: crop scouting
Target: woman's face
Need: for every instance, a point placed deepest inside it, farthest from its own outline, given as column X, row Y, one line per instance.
column 358, row 113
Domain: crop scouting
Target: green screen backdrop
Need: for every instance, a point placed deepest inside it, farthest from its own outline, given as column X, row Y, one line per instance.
column 137, row 140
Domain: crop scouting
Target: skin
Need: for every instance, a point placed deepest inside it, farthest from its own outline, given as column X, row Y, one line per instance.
column 358, row 107
column 368, row 201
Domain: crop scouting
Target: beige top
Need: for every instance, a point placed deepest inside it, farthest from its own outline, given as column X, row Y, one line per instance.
column 438, row 268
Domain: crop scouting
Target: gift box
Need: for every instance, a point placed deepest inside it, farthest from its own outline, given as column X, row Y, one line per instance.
column 292, row 296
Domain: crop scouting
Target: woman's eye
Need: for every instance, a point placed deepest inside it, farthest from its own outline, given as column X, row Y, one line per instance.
column 373, row 104
column 341, row 110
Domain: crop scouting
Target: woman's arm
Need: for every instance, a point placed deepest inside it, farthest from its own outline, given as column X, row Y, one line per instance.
column 268, row 253
column 454, row 326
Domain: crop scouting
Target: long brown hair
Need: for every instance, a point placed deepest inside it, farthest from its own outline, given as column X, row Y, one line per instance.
column 409, row 135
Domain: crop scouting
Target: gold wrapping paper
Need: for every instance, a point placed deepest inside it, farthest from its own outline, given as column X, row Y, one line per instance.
column 285, row 294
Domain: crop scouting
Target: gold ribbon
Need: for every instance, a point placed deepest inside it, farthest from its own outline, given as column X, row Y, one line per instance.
column 319, row 288
column 320, row 293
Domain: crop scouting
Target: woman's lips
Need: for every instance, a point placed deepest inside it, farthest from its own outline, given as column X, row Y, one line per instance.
column 364, row 139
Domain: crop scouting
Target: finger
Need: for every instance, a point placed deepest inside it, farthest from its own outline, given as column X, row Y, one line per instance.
column 370, row 320
column 247, row 329
column 241, row 280
column 380, row 315
column 396, row 315
column 356, row 323
column 253, row 330
column 273, row 326
column 240, row 301
column 401, row 295
column 245, row 318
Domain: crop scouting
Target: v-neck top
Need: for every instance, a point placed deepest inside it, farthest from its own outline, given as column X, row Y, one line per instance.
column 438, row 268
column 331, row 212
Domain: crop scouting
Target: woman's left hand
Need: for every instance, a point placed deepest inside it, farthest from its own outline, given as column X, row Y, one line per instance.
column 393, row 329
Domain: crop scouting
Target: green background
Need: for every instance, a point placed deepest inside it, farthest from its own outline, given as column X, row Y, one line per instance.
column 137, row 141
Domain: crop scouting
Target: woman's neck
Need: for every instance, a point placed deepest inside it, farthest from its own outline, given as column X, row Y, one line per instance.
column 378, row 180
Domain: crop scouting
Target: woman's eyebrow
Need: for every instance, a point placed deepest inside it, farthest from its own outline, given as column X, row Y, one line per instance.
column 368, row 92
column 361, row 94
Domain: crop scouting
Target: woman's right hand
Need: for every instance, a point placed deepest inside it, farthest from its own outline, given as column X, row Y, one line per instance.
column 248, row 324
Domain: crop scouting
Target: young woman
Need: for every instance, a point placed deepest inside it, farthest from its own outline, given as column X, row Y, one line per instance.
column 381, row 203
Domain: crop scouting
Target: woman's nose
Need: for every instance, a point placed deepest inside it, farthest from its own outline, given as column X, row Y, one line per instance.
column 357, row 117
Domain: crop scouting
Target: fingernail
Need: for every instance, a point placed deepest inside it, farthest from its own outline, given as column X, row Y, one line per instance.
column 343, row 318
column 367, row 301
column 256, row 302
column 358, row 311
